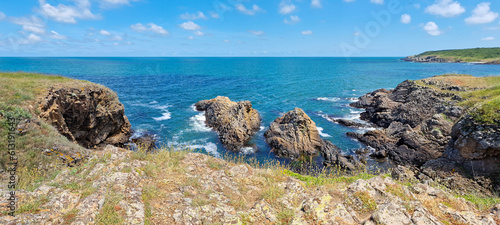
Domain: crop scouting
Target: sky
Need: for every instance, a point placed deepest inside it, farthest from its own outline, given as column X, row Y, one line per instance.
column 336, row 28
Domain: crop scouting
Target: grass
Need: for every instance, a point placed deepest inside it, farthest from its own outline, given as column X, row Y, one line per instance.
column 110, row 212
column 466, row 55
column 327, row 178
column 481, row 202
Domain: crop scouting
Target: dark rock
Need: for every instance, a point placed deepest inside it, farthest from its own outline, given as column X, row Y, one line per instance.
column 235, row 122
column 349, row 123
column 89, row 115
column 294, row 135
column 146, row 142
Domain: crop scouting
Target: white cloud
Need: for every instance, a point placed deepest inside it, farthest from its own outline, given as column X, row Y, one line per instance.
column 34, row 29
column 227, row 41
column 445, row 8
column 138, row 27
column 377, row 1
column 31, row 39
column 67, row 14
column 482, row 14
column 349, row 0
column 286, row 9
column 432, row 29
column 157, row 29
column 417, row 6
column 256, row 32
column 194, row 16
column 307, row 32
column 214, row 15
column 405, row 18
column 105, row 32
column 198, row 33
column 2, row 16
column 244, row 10
column 116, row 38
column 316, row 4
column 488, row 39
column 293, row 20
column 190, row 37
column 55, row 35
column 190, row 25
column 116, row 2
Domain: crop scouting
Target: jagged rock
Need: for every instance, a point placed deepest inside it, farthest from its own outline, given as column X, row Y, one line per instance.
column 235, row 122
column 349, row 123
column 147, row 142
column 391, row 213
column 294, row 135
column 27, row 125
column 89, row 115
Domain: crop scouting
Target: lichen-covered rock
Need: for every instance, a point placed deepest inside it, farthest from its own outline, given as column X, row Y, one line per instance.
column 89, row 115
column 235, row 122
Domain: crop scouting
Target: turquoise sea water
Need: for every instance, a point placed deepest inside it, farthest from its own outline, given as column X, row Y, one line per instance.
column 159, row 93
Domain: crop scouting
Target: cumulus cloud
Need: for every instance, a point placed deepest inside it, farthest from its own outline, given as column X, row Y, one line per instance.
column 193, row 16
column 198, row 33
column 405, row 18
column 227, row 41
column 256, row 32
column 214, row 15
column 286, row 8
column 432, row 29
column 348, row 0
column 482, row 14
column 116, row 38
column 105, row 32
column 66, row 13
column 488, row 39
column 116, row 2
column 31, row 24
column 55, row 35
column 377, row 1
column 31, row 39
column 307, row 32
column 293, row 20
column 316, row 4
column 138, row 27
column 244, row 10
column 190, row 25
column 2, row 16
column 445, row 8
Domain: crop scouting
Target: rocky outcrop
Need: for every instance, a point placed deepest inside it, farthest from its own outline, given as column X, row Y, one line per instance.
column 429, row 59
column 89, row 115
column 235, row 122
column 416, row 122
column 194, row 188
column 294, row 135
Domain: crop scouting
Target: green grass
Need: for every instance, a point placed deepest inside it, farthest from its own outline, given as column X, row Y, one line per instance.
column 110, row 212
column 481, row 202
column 466, row 55
column 325, row 178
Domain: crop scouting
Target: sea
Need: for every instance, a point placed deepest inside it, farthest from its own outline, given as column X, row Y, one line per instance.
column 159, row 93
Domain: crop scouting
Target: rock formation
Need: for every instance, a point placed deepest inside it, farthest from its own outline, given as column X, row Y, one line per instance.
column 89, row 115
column 417, row 122
column 294, row 135
column 234, row 122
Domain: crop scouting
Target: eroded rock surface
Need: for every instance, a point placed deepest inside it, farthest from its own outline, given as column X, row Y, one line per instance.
column 90, row 115
column 235, row 122
column 294, row 135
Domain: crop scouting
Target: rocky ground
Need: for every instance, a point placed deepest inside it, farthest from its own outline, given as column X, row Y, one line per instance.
column 116, row 186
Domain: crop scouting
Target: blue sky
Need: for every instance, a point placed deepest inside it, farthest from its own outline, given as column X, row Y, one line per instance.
column 245, row 27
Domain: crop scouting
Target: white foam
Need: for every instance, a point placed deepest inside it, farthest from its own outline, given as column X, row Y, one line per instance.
column 356, row 111
column 153, row 102
column 193, row 107
column 320, row 131
column 262, row 128
column 332, row 99
column 209, row 147
column 165, row 116
column 198, row 123
column 247, row 150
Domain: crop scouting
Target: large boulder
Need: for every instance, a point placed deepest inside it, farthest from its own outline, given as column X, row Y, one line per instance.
column 90, row 115
column 235, row 122
column 294, row 135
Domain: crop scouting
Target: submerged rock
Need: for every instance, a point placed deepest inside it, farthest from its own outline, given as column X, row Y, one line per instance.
column 89, row 115
column 294, row 135
column 235, row 122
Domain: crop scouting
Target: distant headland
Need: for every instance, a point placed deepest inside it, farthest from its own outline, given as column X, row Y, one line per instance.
column 473, row 55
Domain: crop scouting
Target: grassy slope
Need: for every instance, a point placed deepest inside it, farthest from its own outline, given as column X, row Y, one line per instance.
column 466, row 55
column 18, row 97
column 482, row 97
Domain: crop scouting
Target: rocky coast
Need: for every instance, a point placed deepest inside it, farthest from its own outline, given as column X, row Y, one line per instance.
column 79, row 173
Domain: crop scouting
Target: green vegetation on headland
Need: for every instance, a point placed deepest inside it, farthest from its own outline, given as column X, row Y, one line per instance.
column 481, row 95
column 172, row 185
column 476, row 55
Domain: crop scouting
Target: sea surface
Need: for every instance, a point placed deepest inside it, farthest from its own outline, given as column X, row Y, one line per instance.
column 159, row 93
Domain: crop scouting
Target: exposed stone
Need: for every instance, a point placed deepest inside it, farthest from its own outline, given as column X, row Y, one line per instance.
column 235, row 122
column 90, row 115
